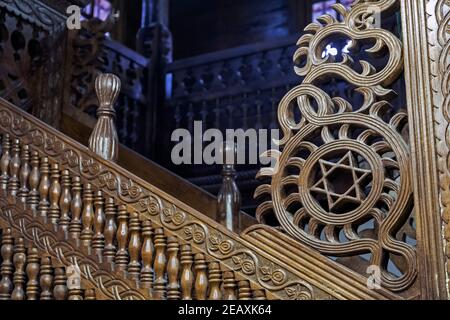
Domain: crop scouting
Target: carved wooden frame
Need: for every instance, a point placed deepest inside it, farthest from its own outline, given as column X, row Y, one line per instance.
column 427, row 70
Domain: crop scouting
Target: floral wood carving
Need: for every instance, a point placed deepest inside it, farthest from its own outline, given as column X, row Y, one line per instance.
column 344, row 166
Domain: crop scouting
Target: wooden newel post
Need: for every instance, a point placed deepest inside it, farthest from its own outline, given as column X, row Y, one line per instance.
column 104, row 140
column 229, row 197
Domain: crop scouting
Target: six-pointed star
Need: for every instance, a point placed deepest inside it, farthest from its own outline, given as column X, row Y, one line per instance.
column 354, row 193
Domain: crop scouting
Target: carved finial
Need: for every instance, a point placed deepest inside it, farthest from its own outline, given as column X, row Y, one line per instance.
column 229, row 197
column 104, row 140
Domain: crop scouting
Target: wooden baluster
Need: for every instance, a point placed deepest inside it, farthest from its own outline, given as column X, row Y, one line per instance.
column 87, row 217
column 173, row 268
column 104, row 140
column 65, row 201
column 245, row 293
column 55, row 194
column 110, row 230
column 14, row 169
column 35, row 176
column 259, row 295
column 147, row 255
column 7, row 265
column 201, row 280
column 4, row 161
column 229, row 285
column 215, row 278
column 75, row 208
column 32, row 270
column 44, row 187
column 187, row 276
column 46, row 280
column 134, row 246
column 159, row 286
column 73, row 284
column 20, row 258
column 60, row 290
column 24, row 174
column 89, row 294
column 98, row 241
column 122, row 239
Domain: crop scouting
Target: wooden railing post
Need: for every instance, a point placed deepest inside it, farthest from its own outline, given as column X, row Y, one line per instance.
column 104, row 140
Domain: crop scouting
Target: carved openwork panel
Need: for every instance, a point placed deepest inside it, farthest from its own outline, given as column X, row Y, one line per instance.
column 342, row 181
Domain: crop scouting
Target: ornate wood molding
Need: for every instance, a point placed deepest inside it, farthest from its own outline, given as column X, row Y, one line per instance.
column 426, row 38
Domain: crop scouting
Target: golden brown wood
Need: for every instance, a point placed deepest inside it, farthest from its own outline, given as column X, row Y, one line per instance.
column 46, row 279
column 65, row 200
column 7, row 251
column 60, row 291
column 173, row 268
column 76, row 206
column 159, row 285
column 19, row 260
column 44, row 187
column 104, row 140
column 122, row 236
column 32, row 270
column 55, row 194
column 259, row 295
column 87, row 216
column 110, row 230
column 24, row 175
column 14, row 168
column 201, row 279
column 89, row 294
column 229, row 285
column 35, row 177
column 215, row 279
column 134, row 246
column 147, row 252
column 98, row 241
column 187, row 275
column 245, row 293
column 4, row 161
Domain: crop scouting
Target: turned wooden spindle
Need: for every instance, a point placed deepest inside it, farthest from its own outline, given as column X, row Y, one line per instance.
column 110, row 230
column 55, row 194
column 229, row 197
column 104, row 140
column 75, row 208
column 173, row 268
column 35, row 177
column 65, row 200
column 122, row 236
column 14, row 168
column 87, row 217
column 60, row 291
column 24, row 174
column 32, row 271
column 4, row 161
column 229, row 285
column 159, row 286
column 75, row 294
column 201, row 279
column 134, row 246
column 7, row 268
column 215, row 278
column 98, row 241
column 46, row 280
column 44, row 187
column 259, row 295
column 73, row 284
column 245, row 292
column 147, row 252
column 187, row 276
column 89, row 294
column 20, row 258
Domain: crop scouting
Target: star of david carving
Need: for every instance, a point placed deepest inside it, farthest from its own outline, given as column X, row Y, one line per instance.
column 354, row 193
